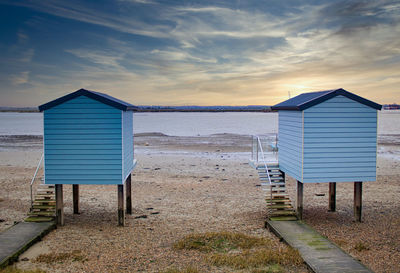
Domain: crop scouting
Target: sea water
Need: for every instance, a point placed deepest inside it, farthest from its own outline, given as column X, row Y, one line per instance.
column 187, row 124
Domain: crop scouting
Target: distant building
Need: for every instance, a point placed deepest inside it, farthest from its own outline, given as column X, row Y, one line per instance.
column 393, row 106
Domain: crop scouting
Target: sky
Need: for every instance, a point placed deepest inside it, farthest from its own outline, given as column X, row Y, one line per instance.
column 233, row 52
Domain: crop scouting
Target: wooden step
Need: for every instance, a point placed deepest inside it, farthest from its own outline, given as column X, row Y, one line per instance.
column 272, row 188
column 45, row 188
column 44, row 191
column 271, row 165
column 283, row 218
column 275, row 190
column 269, row 169
column 39, row 219
column 44, row 201
column 278, row 200
column 276, row 194
column 42, row 198
column 42, row 213
column 276, row 183
column 282, row 213
column 273, row 184
column 280, row 206
column 45, row 194
column 43, row 210
column 272, row 179
column 43, row 207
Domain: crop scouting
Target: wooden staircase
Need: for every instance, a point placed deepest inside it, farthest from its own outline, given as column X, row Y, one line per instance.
column 44, row 205
column 278, row 203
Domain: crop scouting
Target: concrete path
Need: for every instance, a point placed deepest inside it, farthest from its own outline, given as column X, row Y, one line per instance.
column 321, row 255
column 19, row 238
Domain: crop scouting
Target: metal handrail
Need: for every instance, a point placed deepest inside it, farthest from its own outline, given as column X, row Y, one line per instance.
column 274, row 144
column 264, row 162
column 33, row 178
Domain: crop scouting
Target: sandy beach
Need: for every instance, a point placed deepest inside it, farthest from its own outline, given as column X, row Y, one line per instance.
column 183, row 185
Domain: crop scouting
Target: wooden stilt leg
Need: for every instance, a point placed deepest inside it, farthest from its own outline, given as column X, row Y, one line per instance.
column 332, row 196
column 357, row 200
column 59, row 205
column 129, row 195
column 121, row 211
column 75, row 198
column 299, row 201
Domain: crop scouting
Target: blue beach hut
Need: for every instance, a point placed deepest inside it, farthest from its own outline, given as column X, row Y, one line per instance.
column 328, row 137
column 88, row 139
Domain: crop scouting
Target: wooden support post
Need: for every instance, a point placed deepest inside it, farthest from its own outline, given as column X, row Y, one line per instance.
column 357, row 200
column 75, row 198
column 299, row 200
column 121, row 211
column 129, row 194
column 59, row 205
column 332, row 196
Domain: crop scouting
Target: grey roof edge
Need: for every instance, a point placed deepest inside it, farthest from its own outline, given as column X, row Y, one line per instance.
column 328, row 95
column 104, row 98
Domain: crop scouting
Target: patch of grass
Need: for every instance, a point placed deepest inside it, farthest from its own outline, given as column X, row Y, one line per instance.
column 75, row 256
column 220, row 241
column 188, row 269
column 270, row 269
column 241, row 252
column 260, row 257
column 12, row 269
column 360, row 246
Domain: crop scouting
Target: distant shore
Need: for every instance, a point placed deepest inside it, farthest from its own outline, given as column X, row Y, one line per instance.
column 194, row 108
column 165, row 109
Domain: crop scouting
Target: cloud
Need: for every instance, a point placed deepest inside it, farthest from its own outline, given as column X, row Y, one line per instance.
column 27, row 55
column 23, row 38
column 139, row 1
column 103, row 58
column 180, row 55
column 94, row 15
column 353, row 16
column 21, row 78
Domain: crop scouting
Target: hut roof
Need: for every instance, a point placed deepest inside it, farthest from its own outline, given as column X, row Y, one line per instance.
column 307, row 100
column 101, row 97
